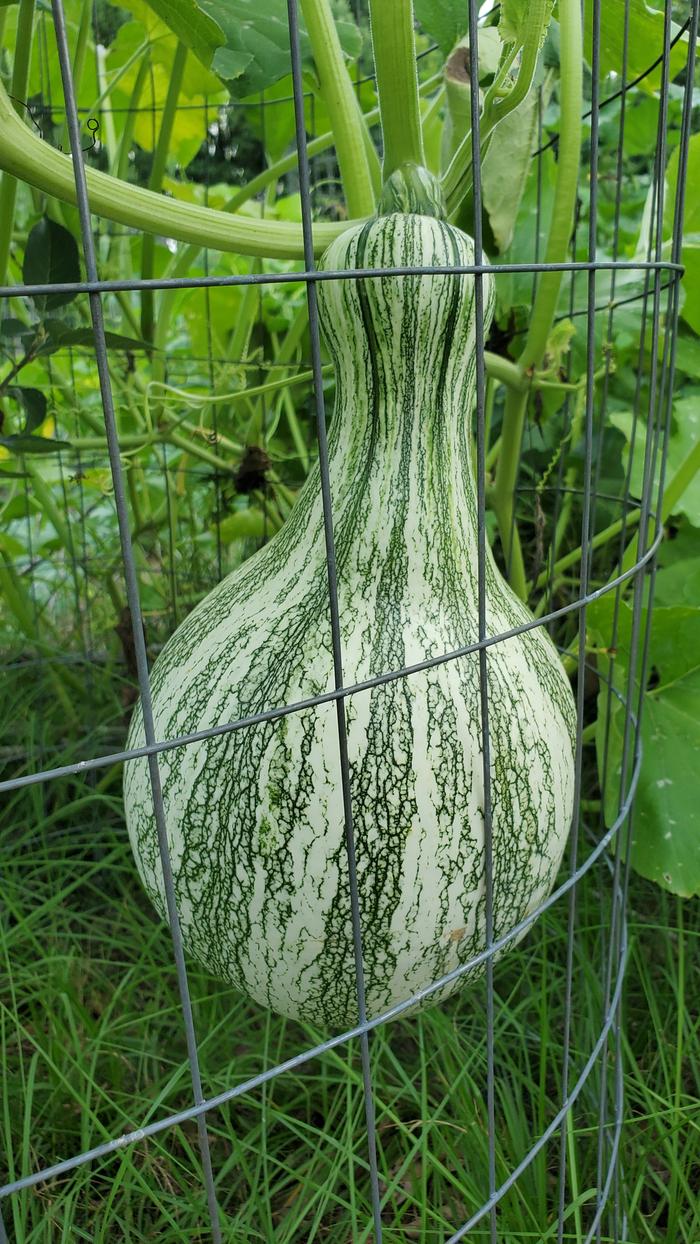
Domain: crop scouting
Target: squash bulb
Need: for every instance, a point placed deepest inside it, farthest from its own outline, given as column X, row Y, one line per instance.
column 255, row 817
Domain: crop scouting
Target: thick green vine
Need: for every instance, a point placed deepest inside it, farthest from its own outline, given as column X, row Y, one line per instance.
column 544, row 308
column 24, row 155
column 341, row 101
column 393, row 43
column 18, row 88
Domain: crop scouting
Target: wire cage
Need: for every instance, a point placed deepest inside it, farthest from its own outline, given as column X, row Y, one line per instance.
column 574, row 1103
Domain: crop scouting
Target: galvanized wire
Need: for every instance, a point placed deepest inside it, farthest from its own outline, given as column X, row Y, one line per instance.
column 132, row 590
column 649, row 536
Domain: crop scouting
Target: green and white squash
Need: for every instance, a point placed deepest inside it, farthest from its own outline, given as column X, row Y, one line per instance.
column 255, row 817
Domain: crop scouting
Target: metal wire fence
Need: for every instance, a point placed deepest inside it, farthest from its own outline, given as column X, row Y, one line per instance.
column 608, row 848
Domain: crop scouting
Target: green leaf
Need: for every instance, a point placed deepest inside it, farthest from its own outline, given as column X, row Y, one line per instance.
column 59, row 337
column 33, row 404
column 666, row 819
column 506, row 169
column 242, row 525
column 679, row 584
column 445, row 21
column 11, row 329
column 197, row 29
column 50, row 257
column 255, row 49
column 20, row 444
column 645, row 43
column 529, row 240
column 684, row 438
column 516, row 21
column 230, row 64
column 690, row 285
column 10, row 546
column 687, row 355
column 149, row 36
column 691, row 217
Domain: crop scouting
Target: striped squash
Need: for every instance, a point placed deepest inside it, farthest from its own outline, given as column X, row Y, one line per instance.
column 255, row 817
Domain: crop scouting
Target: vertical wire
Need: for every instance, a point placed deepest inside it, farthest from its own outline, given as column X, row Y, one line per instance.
column 267, row 489
column 653, row 428
column 170, row 519
column 566, row 419
column 481, row 588
column 669, row 356
column 46, row 659
column 608, row 970
column 584, row 578
column 311, row 294
column 133, row 597
column 87, row 620
column 660, row 432
column 210, row 353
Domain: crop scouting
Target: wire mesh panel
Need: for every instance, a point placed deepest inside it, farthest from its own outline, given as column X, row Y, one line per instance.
column 202, row 1122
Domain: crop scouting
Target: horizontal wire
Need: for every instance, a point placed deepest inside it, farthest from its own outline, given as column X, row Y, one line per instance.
column 37, row 110
column 327, row 697
column 344, row 274
column 220, row 1099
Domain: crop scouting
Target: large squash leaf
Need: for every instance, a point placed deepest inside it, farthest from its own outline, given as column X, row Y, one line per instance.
column 443, row 20
column 665, row 844
column 246, row 42
column 684, row 437
column 645, row 42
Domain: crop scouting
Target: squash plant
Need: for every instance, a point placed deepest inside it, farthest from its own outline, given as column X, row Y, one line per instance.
column 219, row 52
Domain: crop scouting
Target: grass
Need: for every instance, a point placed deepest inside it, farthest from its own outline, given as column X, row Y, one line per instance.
column 92, row 1046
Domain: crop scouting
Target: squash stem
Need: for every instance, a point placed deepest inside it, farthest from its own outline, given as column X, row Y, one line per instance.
column 25, row 155
column 18, row 90
column 542, row 318
column 457, row 180
column 391, row 24
column 288, row 163
column 571, row 87
column 340, row 98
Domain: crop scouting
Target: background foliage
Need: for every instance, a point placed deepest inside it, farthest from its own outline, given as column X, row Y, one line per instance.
column 193, row 98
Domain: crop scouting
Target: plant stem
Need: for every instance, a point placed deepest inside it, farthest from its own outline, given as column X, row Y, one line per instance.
column 340, row 99
column 26, row 156
column 289, row 162
column 602, row 537
column 122, row 165
column 504, row 487
column 14, row 594
column 672, row 494
column 109, row 143
column 18, row 89
column 505, row 372
column 391, row 23
column 456, row 181
column 543, row 311
column 570, row 103
column 538, row 17
column 78, row 63
column 155, row 181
